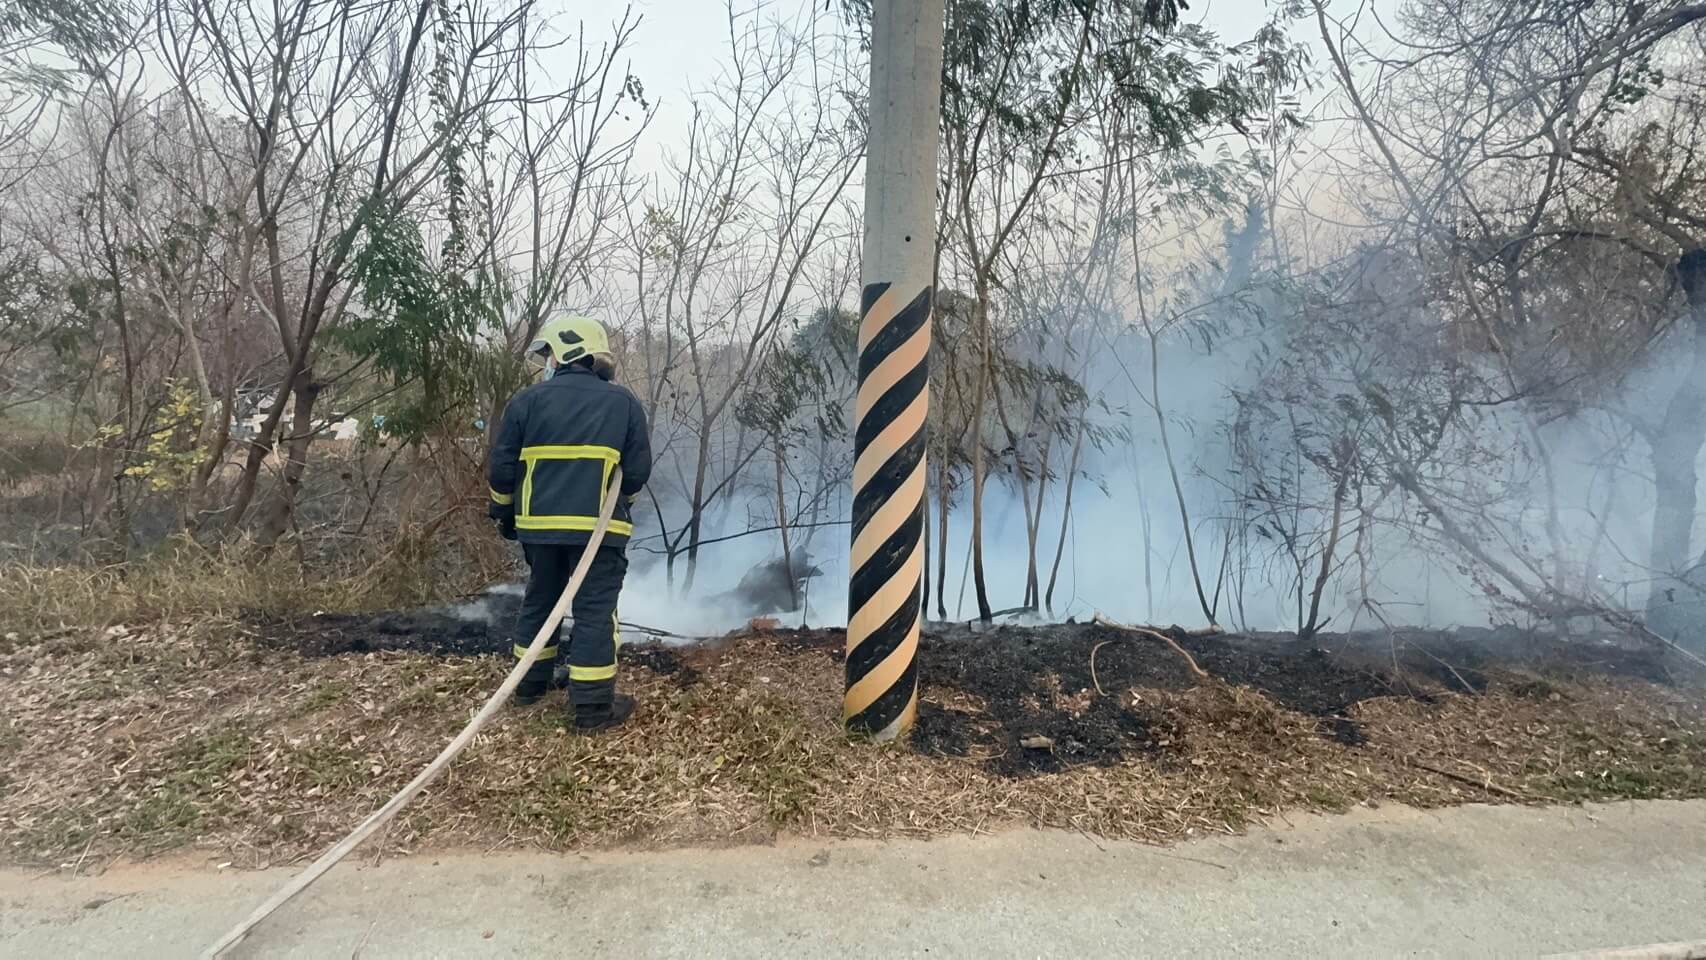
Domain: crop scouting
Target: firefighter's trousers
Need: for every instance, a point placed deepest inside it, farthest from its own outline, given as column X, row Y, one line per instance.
column 594, row 636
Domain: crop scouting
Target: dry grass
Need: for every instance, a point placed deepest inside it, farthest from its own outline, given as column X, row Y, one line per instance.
column 184, row 580
column 132, row 741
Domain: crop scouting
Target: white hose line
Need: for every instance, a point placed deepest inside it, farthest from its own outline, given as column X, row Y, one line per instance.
column 384, row 814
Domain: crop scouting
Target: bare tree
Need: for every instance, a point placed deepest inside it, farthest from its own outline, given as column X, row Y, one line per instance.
column 1532, row 145
column 349, row 114
column 722, row 256
column 559, row 179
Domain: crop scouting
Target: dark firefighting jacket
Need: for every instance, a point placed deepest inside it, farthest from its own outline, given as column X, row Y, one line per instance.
column 559, row 442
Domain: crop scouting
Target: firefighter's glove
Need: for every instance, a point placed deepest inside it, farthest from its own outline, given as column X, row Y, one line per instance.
column 503, row 517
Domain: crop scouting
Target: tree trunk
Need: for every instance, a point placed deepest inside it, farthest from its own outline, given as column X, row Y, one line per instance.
column 1147, row 521
column 1173, row 473
column 1033, row 533
column 944, row 492
column 283, row 503
column 695, row 522
column 1033, row 518
column 1676, row 606
column 216, row 448
column 1033, row 509
column 782, row 524
column 260, row 447
column 1312, row 625
column 924, row 544
column 1065, row 516
column 819, row 493
column 221, row 441
column 1033, row 571
column 984, row 611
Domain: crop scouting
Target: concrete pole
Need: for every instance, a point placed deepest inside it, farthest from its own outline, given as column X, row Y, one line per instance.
column 894, row 348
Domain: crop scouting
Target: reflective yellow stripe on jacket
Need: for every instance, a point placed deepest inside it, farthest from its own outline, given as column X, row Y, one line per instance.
column 526, row 519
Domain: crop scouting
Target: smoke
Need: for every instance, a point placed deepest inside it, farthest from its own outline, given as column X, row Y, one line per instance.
column 660, row 598
column 1578, row 524
column 1561, row 496
column 1123, row 553
column 655, row 610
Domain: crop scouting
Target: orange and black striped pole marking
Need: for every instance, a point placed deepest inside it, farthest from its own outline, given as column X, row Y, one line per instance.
column 884, row 611
column 888, row 512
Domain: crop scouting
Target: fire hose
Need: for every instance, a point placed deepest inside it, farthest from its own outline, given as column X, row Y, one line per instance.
column 384, row 814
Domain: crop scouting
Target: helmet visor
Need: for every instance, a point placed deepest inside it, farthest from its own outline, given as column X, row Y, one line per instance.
column 538, row 353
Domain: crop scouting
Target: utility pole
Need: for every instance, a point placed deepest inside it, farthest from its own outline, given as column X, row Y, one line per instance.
column 897, row 274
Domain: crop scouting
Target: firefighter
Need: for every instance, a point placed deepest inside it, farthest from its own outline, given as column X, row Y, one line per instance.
column 557, row 446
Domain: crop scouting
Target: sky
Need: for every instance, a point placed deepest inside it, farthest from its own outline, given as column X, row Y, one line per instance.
column 681, row 44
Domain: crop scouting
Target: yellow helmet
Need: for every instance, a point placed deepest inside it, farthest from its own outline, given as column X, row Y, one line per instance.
column 571, row 338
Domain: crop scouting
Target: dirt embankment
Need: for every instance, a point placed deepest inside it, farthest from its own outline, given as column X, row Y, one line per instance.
column 265, row 738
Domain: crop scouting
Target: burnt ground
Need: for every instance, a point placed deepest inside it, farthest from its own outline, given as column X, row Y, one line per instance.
column 1026, row 700
column 994, row 692
column 477, row 627
column 458, row 630
column 262, row 738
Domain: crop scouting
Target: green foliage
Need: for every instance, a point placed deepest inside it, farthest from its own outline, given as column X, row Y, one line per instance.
column 1628, row 88
column 40, row 340
column 419, row 326
column 423, row 319
column 1012, row 64
column 80, row 30
column 801, row 387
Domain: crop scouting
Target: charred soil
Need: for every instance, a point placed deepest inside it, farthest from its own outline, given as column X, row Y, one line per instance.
column 265, row 737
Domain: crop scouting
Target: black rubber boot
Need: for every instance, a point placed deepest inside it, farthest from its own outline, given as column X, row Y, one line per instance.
column 528, row 693
column 596, row 718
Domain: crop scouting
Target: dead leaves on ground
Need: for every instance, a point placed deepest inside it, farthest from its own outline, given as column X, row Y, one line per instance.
column 137, row 740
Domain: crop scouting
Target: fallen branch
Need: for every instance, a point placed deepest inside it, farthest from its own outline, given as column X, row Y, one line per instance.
column 659, row 632
column 999, row 613
column 1190, row 661
column 1093, row 680
column 1466, row 684
column 1675, row 647
column 1483, row 784
column 1628, row 623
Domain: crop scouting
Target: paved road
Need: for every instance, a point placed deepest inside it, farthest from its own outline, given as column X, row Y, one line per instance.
column 1469, row 882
